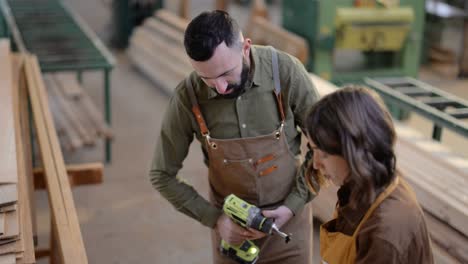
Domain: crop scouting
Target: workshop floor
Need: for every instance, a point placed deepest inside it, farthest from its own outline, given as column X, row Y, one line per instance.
column 123, row 220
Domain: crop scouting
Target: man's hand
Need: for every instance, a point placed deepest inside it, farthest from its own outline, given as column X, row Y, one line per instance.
column 281, row 215
column 233, row 233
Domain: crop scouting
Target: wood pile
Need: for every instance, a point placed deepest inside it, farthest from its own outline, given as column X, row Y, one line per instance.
column 16, row 239
column 440, row 179
column 157, row 50
column 263, row 32
column 20, row 83
column 78, row 121
column 443, row 61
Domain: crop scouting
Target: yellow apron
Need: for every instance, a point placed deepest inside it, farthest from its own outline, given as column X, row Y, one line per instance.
column 338, row 248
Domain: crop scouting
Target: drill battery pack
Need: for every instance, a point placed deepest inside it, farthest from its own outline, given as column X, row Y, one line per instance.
column 246, row 253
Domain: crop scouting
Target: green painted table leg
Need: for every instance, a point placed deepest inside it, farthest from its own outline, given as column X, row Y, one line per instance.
column 107, row 103
column 79, row 76
column 437, row 133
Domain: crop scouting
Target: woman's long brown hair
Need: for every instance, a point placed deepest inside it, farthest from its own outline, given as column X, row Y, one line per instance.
column 354, row 123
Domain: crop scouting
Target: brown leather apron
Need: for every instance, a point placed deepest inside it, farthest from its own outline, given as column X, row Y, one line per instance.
column 262, row 171
column 338, row 248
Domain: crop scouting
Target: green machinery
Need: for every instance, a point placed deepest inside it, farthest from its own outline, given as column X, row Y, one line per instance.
column 349, row 40
column 377, row 43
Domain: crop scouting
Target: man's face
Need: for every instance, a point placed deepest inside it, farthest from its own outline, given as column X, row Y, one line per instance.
column 227, row 70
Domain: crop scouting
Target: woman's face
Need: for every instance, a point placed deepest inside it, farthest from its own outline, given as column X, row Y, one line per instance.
column 333, row 167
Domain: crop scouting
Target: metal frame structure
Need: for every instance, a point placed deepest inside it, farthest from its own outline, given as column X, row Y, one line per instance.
column 61, row 41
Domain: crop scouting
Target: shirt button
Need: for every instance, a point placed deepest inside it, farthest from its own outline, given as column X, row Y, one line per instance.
column 244, row 125
column 239, row 98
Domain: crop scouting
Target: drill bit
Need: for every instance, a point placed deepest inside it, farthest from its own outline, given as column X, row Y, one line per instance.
column 287, row 237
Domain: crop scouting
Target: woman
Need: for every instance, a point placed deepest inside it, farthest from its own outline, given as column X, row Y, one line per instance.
column 377, row 218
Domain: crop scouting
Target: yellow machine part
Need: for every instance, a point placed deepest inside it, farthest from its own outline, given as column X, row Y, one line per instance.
column 373, row 29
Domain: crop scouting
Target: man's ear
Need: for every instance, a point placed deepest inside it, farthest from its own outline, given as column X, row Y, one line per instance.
column 246, row 47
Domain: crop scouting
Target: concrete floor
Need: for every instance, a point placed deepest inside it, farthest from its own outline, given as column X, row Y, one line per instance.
column 123, row 220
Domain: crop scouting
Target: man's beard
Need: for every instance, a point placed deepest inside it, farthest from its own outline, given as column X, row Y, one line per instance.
column 238, row 88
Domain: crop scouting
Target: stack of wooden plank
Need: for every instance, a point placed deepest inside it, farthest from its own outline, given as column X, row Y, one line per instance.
column 21, row 82
column 443, row 61
column 78, row 121
column 440, row 180
column 263, row 32
column 156, row 48
column 16, row 239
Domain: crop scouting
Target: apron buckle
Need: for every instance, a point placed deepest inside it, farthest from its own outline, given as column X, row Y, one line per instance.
column 213, row 145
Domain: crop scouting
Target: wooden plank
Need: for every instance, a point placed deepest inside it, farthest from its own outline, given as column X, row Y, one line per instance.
column 464, row 55
column 164, row 78
column 24, row 122
column 25, row 244
column 8, row 259
column 2, row 223
column 163, row 30
column 172, row 19
column 65, row 188
column 86, row 106
column 95, row 115
column 184, row 9
column 8, row 208
column 73, row 140
column 8, row 194
column 141, row 42
column 442, row 257
column 70, row 114
column 261, row 31
column 8, row 248
column 447, row 238
column 78, row 174
column 259, row 9
column 221, row 4
column 172, row 53
column 11, row 227
column 8, row 169
column 70, row 243
column 147, row 68
column 68, row 85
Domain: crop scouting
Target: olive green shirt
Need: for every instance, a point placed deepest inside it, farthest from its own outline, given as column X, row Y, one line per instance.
column 253, row 113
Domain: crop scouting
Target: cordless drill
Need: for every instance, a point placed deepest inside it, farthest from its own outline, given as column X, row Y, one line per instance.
column 247, row 215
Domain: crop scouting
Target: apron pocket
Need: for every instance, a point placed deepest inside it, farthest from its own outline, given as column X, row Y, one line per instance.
column 268, row 171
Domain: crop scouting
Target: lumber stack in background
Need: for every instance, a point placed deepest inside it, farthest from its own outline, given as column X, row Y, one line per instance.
column 440, row 180
column 78, row 121
column 157, row 50
column 156, row 47
column 263, row 32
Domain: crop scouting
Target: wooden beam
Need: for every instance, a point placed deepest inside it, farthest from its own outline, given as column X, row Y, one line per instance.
column 184, row 9
column 8, row 167
column 172, row 19
column 62, row 123
column 261, row 31
column 24, row 122
column 78, row 174
column 161, row 29
column 70, row 242
column 70, row 113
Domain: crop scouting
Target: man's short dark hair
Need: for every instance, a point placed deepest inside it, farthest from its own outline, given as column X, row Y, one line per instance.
column 206, row 31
